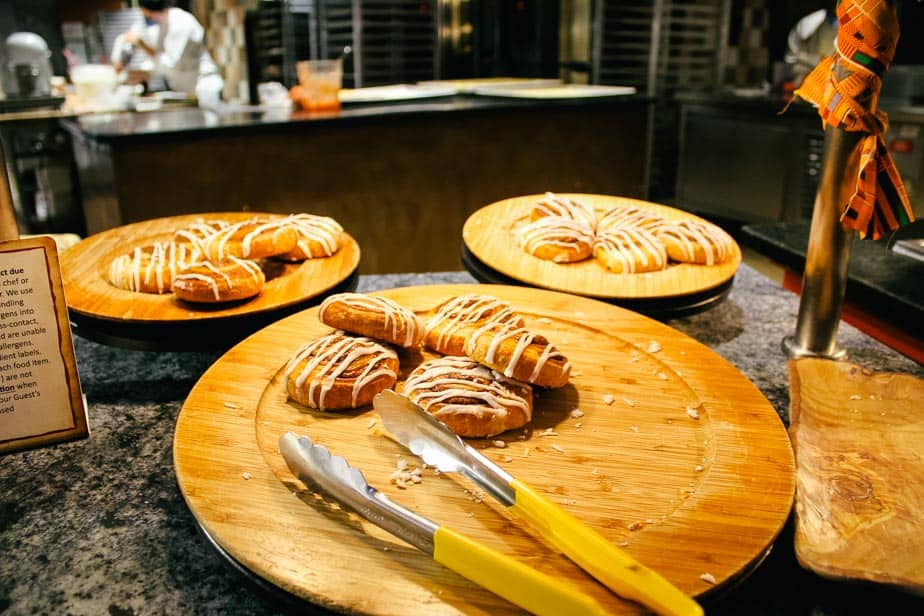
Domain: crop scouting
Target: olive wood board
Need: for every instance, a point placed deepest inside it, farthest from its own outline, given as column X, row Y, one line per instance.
column 859, row 444
column 489, row 235
column 699, row 499
column 89, row 293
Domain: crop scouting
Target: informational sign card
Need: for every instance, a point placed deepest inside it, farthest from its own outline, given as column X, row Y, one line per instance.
column 40, row 396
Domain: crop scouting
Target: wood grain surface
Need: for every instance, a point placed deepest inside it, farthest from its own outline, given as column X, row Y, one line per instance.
column 687, row 492
column 859, row 441
column 488, row 234
column 89, row 293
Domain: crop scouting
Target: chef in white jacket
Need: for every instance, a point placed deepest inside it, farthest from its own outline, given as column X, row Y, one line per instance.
column 175, row 42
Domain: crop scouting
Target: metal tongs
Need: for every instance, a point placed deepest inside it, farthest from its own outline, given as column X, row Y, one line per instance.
column 518, row 583
column 438, row 446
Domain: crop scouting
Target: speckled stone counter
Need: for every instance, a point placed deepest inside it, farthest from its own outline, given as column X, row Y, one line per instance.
column 99, row 526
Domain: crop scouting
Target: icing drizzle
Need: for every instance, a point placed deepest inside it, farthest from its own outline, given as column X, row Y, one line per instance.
column 523, row 338
column 396, row 316
column 464, row 310
column 562, row 207
column 634, row 249
column 688, row 234
column 557, row 232
column 330, row 357
column 152, row 266
column 460, row 385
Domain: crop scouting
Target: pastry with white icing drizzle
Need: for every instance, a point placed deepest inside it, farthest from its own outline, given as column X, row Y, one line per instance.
column 373, row 316
column 695, row 241
column 471, row 399
column 556, row 238
column 151, row 269
column 564, row 207
column 229, row 280
column 195, row 233
column 518, row 353
column 628, row 250
column 337, row 372
column 256, row 238
column 318, row 237
column 447, row 331
column 628, row 216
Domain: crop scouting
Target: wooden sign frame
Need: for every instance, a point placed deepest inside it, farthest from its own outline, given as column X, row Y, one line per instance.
column 41, row 401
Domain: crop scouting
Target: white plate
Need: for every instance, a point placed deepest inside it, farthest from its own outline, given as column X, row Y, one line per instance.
column 569, row 90
column 397, row 92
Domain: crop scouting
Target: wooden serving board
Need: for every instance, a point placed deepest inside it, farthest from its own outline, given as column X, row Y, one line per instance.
column 488, row 234
column 687, row 496
column 859, row 443
column 85, row 266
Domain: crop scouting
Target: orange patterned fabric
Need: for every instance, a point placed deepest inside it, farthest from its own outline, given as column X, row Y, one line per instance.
column 846, row 87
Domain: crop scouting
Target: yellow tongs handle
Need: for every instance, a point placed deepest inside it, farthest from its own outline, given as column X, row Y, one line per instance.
column 508, row 578
column 600, row 557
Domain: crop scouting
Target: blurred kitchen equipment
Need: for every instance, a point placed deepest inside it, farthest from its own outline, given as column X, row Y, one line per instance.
column 95, row 84
column 27, row 71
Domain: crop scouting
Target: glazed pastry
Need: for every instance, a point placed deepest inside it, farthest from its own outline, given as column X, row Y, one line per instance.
column 337, row 372
column 694, row 241
column 199, row 231
column 627, row 250
column 256, row 238
column 372, row 316
column 628, row 216
column 519, row 354
column 471, row 399
column 151, row 269
column 446, row 331
column 558, row 239
column 318, row 236
column 563, row 207
column 226, row 281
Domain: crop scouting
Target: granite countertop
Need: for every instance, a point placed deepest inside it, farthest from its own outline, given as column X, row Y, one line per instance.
column 194, row 121
column 99, row 525
column 880, row 281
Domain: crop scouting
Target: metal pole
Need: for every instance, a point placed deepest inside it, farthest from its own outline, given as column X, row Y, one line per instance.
column 825, row 279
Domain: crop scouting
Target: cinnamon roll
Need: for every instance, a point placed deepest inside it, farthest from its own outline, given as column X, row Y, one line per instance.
column 627, row 250
column 563, row 207
column 446, row 331
column 471, row 399
column 151, row 269
column 517, row 353
column 317, row 237
column 628, row 216
column 226, row 281
column 337, row 372
column 373, row 316
column 694, row 241
column 256, row 238
column 556, row 238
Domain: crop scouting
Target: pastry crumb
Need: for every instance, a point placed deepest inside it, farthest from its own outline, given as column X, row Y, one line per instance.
column 576, row 413
column 577, row 373
column 232, row 405
column 558, row 449
column 662, row 376
column 526, row 452
column 544, row 320
column 653, row 346
column 548, row 432
column 634, row 429
column 508, row 459
column 628, row 402
column 692, row 412
column 371, row 423
column 246, row 475
column 856, row 397
column 698, row 468
column 499, row 444
column 635, row 526
column 708, row 578
column 596, row 471
column 609, row 398
column 580, row 424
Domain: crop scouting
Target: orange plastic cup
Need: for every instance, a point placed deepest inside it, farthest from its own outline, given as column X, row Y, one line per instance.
column 321, row 82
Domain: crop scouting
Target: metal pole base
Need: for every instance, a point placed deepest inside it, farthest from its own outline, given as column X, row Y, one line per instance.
column 794, row 351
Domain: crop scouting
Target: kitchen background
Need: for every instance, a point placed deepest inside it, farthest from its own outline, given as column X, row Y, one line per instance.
column 713, row 68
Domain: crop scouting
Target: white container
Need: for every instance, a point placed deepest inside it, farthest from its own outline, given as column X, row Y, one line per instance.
column 94, row 83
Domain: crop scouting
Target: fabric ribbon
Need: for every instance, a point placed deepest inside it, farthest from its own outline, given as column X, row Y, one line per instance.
column 845, row 87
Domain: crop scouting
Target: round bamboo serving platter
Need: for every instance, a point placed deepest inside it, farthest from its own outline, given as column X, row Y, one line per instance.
column 98, row 306
column 488, row 234
column 673, row 455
